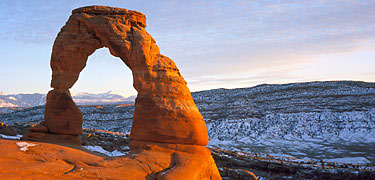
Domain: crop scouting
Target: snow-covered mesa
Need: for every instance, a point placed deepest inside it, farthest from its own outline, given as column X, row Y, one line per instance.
column 317, row 120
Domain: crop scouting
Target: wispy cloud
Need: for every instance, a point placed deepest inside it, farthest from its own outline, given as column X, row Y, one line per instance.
column 211, row 40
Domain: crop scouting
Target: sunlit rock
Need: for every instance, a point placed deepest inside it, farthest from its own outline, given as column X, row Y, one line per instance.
column 168, row 134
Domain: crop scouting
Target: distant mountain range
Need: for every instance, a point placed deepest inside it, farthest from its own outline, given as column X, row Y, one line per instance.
column 36, row 99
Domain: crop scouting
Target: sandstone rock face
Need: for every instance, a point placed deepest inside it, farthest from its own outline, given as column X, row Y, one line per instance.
column 154, row 161
column 62, row 120
column 62, row 116
column 168, row 133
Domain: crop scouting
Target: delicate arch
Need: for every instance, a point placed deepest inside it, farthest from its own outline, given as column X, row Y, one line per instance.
column 164, row 108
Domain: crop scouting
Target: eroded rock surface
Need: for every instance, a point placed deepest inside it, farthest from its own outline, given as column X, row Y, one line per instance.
column 151, row 161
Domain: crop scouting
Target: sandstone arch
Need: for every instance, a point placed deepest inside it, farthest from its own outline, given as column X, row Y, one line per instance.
column 168, row 135
column 164, row 109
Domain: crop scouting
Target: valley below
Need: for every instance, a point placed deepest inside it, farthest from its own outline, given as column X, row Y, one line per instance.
column 314, row 130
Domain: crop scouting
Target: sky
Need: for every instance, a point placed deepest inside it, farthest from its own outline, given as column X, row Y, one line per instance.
column 215, row 44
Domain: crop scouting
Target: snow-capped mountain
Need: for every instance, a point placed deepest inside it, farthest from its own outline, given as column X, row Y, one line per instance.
column 102, row 98
column 22, row 100
column 334, row 120
column 31, row 100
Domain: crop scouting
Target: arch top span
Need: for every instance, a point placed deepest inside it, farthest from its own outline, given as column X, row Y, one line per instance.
column 93, row 27
column 164, row 108
column 133, row 16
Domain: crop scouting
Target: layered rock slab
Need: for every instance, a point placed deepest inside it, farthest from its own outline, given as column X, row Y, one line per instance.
column 155, row 161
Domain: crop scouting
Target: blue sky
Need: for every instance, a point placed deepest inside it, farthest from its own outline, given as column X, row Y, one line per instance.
column 215, row 44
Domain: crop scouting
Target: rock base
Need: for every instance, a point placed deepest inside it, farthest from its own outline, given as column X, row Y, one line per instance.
column 157, row 162
column 187, row 162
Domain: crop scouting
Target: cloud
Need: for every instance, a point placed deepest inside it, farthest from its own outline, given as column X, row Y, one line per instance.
column 197, row 27
column 236, row 80
column 267, row 35
column 211, row 40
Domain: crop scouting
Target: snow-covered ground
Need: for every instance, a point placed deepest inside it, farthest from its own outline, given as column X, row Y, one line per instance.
column 355, row 160
column 332, row 121
column 103, row 151
column 316, row 120
column 303, row 135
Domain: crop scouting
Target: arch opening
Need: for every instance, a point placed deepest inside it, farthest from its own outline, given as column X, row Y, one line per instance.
column 106, row 76
column 103, row 73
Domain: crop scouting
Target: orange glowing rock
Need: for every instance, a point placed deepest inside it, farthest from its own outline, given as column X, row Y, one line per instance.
column 168, row 132
column 51, row 161
column 164, row 108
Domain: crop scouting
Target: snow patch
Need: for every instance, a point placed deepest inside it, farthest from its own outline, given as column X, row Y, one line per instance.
column 12, row 98
column 10, row 137
column 353, row 160
column 103, row 151
column 24, row 145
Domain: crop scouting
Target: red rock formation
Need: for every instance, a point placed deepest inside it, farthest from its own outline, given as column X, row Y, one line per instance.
column 161, row 162
column 62, row 116
column 62, row 120
column 164, row 108
column 167, row 125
